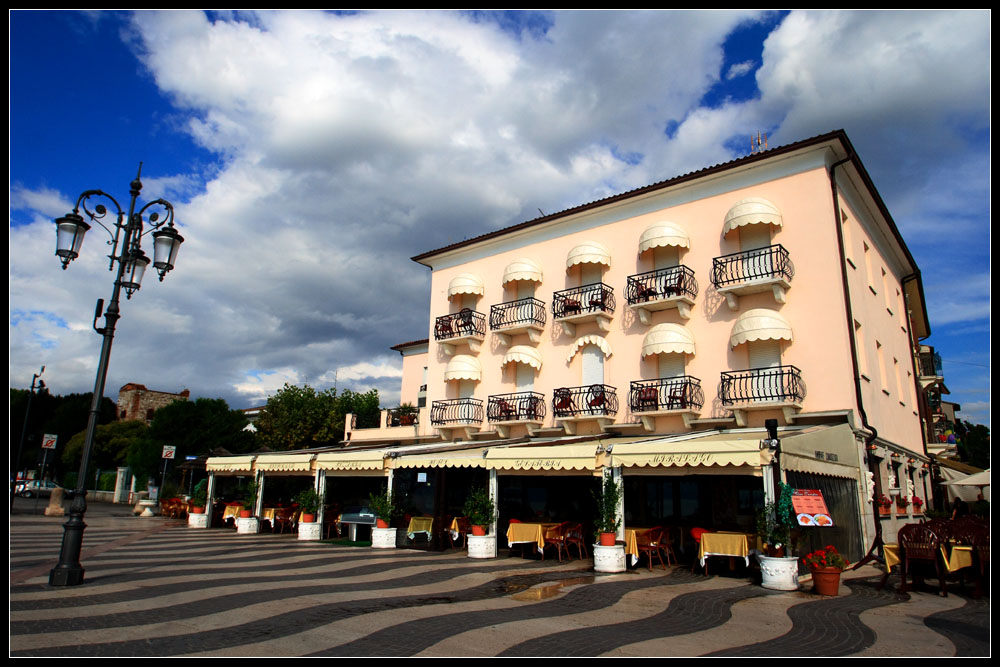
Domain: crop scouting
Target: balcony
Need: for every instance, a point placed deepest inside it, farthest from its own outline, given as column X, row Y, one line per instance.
column 573, row 404
column 665, row 396
column 464, row 414
column 395, row 417
column 466, row 326
column 589, row 303
column 751, row 271
column 523, row 407
column 929, row 367
column 523, row 316
column 673, row 287
column 762, row 389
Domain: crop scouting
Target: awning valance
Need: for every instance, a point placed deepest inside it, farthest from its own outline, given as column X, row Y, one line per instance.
column 760, row 324
column 523, row 354
column 230, row 464
column 589, row 252
column 751, row 211
column 522, row 269
column 285, row 462
column 690, row 453
column 466, row 283
column 664, row 234
column 463, row 367
column 472, row 458
column 831, row 450
column 557, row 457
column 370, row 459
column 668, row 339
column 592, row 339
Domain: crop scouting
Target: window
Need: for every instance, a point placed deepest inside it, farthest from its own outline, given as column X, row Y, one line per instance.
column 862, row 352
column 881, row 367
column 845, row 226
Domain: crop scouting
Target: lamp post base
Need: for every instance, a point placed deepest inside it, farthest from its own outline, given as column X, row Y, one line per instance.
column 68, row 571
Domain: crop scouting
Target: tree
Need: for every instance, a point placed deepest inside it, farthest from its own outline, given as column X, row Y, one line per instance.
column 112, row 443
column 300, row 417
column 364, row 406
column 974, row 444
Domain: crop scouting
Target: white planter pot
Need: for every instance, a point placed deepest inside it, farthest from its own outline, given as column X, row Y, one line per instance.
column 197, row 520
column 609, row 559
column 780, row 574
column 310, row 531
column 383, row 538
column 248, row 526
column 482, row 546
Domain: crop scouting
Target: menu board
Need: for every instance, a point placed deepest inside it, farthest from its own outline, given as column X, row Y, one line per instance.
column 810, row 508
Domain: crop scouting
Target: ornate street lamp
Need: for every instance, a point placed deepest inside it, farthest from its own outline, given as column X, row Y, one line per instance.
column 24, row 430
column 132, row 263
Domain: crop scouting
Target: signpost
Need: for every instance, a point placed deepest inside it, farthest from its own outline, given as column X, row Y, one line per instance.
column 168, row 454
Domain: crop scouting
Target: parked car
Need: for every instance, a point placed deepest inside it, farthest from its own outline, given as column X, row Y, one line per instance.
column 40, row 488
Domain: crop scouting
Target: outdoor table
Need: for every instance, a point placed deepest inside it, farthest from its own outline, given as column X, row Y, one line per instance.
column 725, row 544
column 960, row 556
column 527, row 533
column 231, row 512
column 420, row 524
column 632, row 536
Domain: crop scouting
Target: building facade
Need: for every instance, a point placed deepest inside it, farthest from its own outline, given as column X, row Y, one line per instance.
column 659, row 336
column 136, row 403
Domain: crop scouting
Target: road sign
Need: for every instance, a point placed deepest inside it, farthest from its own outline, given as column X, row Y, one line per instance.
column 49, row 441
column 168, row 451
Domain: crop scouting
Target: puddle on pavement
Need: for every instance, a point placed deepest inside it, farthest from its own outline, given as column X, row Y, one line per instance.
column 551, row 590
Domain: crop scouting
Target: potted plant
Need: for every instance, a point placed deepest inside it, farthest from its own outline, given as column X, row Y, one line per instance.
column 826, row 565
column 199, row 498
column 407, row 414
column 249, row 500
column 607, row 522
column 384, row 508
column 774, row 525
column 884, row 503
column 902, row 502
column 480, row 509
column 308, row 501
column 917, row 502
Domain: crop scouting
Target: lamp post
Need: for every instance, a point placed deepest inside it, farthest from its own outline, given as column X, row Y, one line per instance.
column 132, row 263
column 24, row 431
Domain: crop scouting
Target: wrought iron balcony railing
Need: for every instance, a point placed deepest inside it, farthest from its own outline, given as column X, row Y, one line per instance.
column 401, row 417
column 518, row 406
column 593, row 298
column 781, row 384
column 466, row 322
column 771, row 262
column 661, row 284
column 520, row 313
column 598, row 400
column 676, row 393
column 457, row 411
column 929, row 364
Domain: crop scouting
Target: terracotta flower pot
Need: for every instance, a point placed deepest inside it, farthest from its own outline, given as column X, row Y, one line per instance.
column 826, row 580
column 608, row 539
column 308, row 518
column 479, row 531
column 381, row 523
column 197, row 510
column 245, row 514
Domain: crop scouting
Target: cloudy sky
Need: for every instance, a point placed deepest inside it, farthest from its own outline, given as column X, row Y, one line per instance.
column 309, row 155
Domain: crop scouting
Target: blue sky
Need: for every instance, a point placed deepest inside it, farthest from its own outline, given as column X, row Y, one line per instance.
column 309, row 155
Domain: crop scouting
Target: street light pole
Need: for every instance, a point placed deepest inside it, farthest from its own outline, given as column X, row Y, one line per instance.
column 132, row 263
column 24, row 431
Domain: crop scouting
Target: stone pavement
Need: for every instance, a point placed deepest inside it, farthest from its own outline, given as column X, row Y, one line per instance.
column 156, row 588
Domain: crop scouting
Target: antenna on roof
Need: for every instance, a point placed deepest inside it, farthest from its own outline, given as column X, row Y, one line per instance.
column 756, row 145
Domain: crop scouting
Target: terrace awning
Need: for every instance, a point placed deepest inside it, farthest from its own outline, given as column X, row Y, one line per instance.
column 285, row 462
column 463, row 367
column 469, row 458
column 556, row 457
column 664, row 234
column 369, row 459
column 523, row 354
column 592, row 339
column 751, row 211
column 230, row 464
column 760, row 324
column 466, row 283
column 697, row 452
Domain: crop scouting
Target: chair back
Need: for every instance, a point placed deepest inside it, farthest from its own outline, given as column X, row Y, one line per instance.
column 919, row 542
column 696, row 534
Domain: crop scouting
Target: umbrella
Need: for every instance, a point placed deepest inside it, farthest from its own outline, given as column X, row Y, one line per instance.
column 979, row 479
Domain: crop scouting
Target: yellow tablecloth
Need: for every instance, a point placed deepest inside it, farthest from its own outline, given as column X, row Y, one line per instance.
column 892, row 556
column 231, row 512
column 420, row 524
column 521, row 533
column 725, row 544
column 269, row 514
column 632, row 541
column 961, row 556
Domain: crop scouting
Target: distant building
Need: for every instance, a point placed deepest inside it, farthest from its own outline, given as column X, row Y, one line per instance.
column 252, row 415
column 136, row 403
